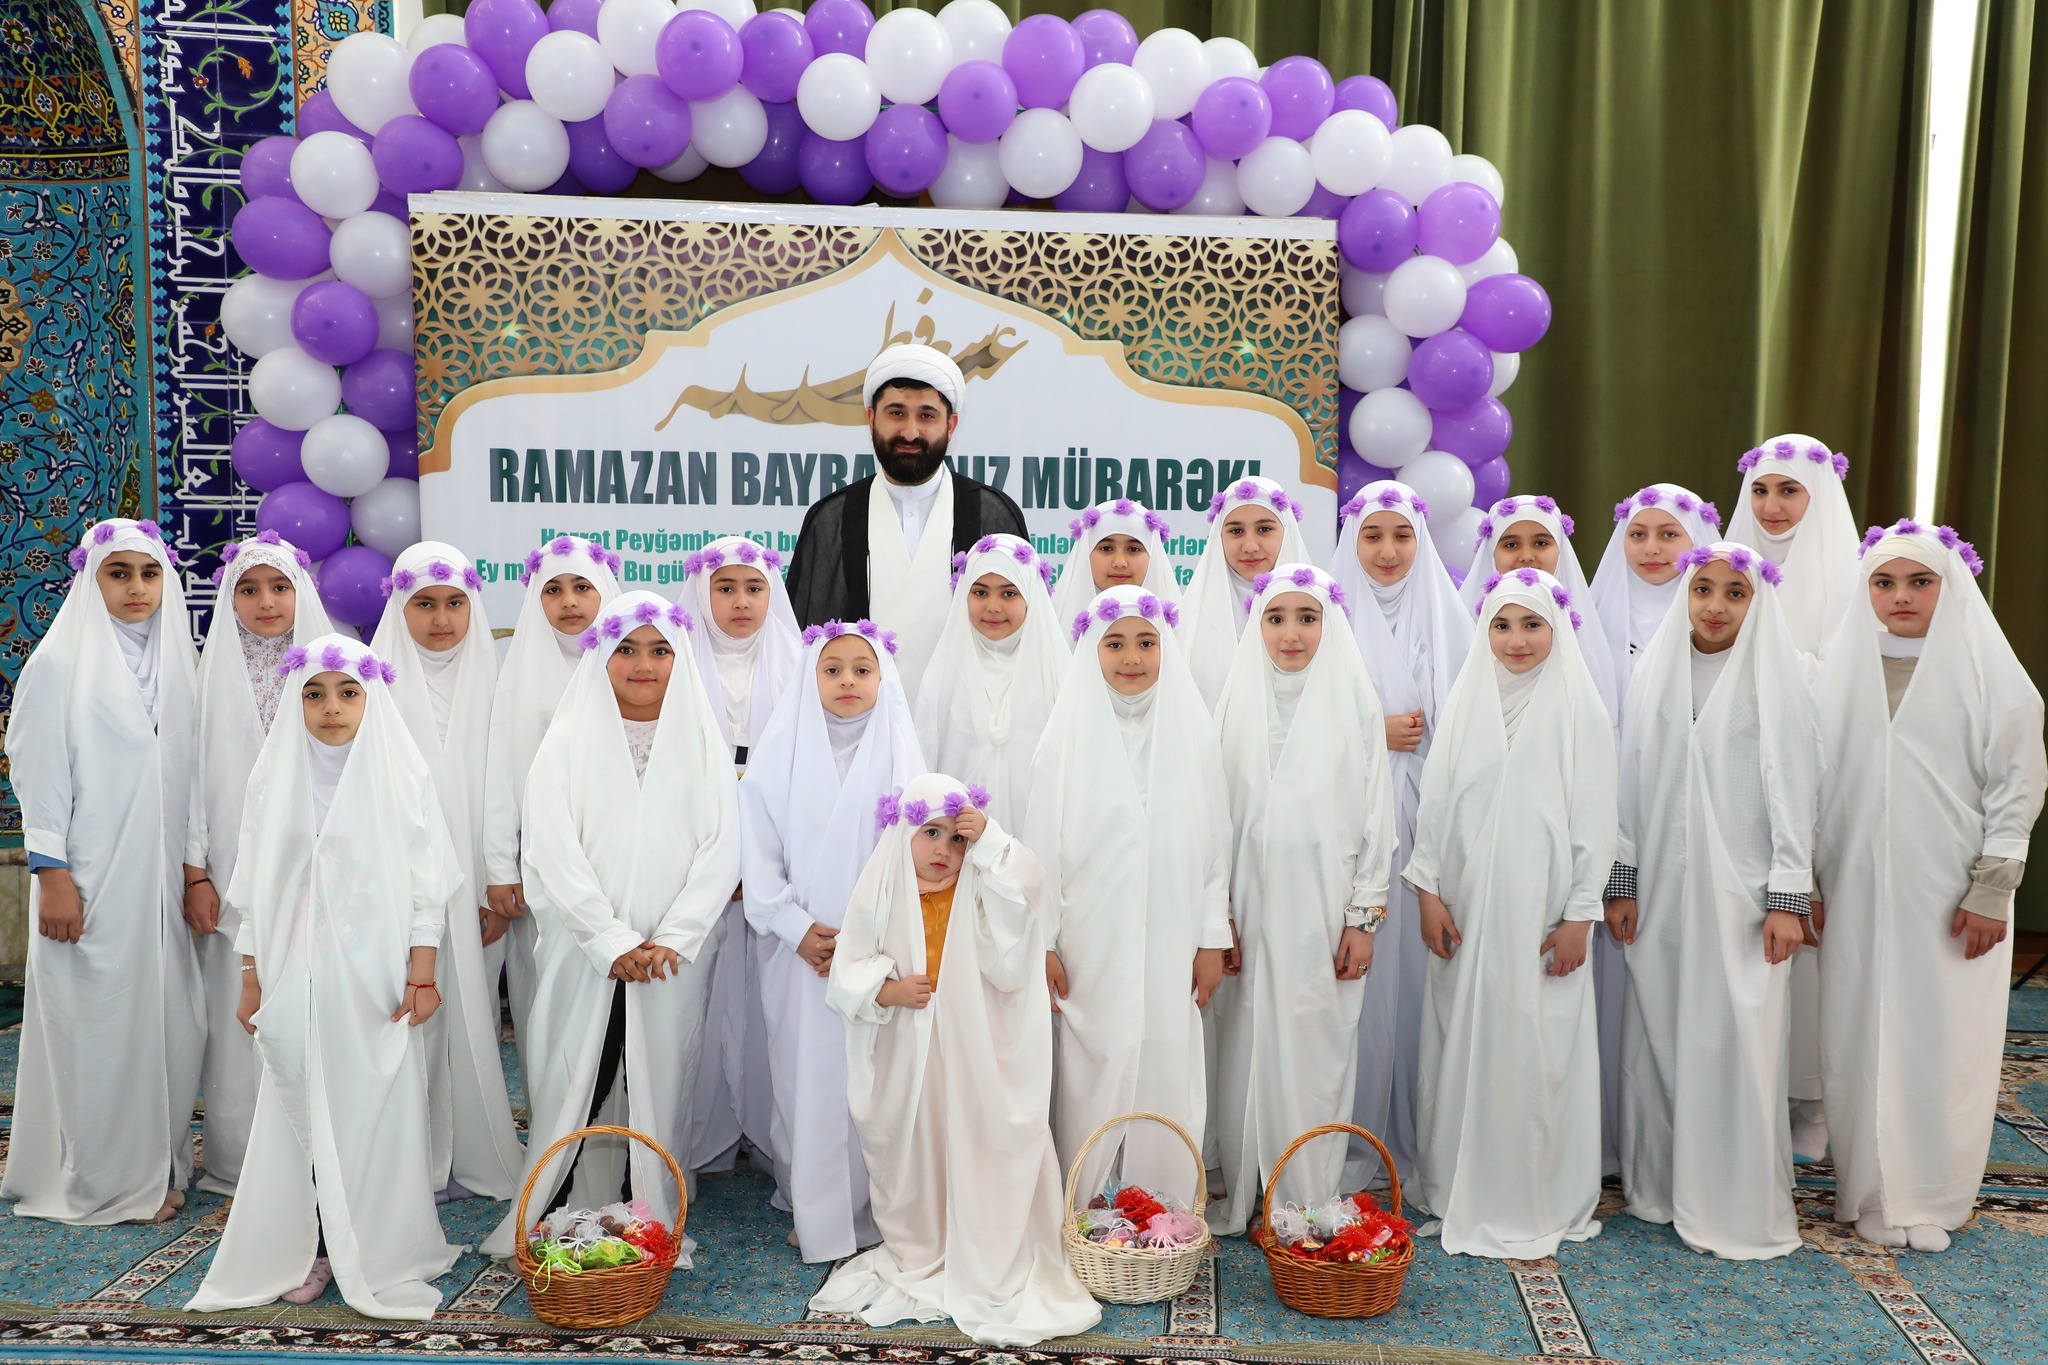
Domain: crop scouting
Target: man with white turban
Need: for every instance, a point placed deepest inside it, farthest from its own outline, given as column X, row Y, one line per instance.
column 883, row 547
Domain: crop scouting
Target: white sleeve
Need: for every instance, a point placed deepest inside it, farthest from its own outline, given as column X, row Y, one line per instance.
column 714, row 869
column 561, row 885
column 39, row 758
column 771, row 903
column 1594, row 817
column 502, row 792
column 2017, row 780
column 1008, row 883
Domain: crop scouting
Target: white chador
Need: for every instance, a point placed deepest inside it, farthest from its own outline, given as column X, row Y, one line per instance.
column 1515, row 835
column 345, row 866
column 744, row 678
column 809, row 818
column 1212, row 613
column 616, row 856
column 538, row 664
column 1631, row 609
column 951, row 1099
column 1129, row 820
column 240, row 693
column 1912, row 801
column 1595, row 637
column 100, row 746
column 445, row 699
column 984, row 702
column 1719, row 782
column 1413, row 635
column 1075, row 588
column 1312, row 807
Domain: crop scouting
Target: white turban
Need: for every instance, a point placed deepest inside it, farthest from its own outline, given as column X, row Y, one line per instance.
column 919, row 365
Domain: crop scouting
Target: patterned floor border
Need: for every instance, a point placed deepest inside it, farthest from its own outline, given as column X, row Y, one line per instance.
column 1876, row 1271
column 1552, row 1315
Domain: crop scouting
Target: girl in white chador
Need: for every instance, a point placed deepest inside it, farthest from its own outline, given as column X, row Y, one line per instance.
column 1793, row 508
column 841, row 739
column 995, row 673
column 100, row 745
column 1129, row 820
column 341, row 885
column 1514, row 842
column 747, row 648
column 1524, row 532
column 1312, row 807
column 1413, row 632
column 567, row 582
column 1115, row 544
column 1254, row 526
column 266, row 600
column 949, row 1086
column 1933, row 777
column 435, row 634
column 631, row 849
column 1720, row 773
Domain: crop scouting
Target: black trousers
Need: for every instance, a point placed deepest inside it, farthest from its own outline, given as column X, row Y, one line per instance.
column 610, row 1058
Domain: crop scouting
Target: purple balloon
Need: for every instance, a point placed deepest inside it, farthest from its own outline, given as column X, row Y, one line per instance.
column 580, row 15
column 906, row 150
column 698, row 55
column 320, row 114
column 1489, row 482
column 775, row 49
column 405, row 454
column 594, row 161
column 1354, row 472
column 1302, row 93
column 351, row 585
column 834, row 172
column 978, row 101
column 1099, row 188
column 1371, row 94
column 1507, row 312
column 647, row 123
column 1450, row 370
column 267, row 457
column 1347, row 399
column 1106, row 36
column 567, row 184
column 1322, row 203
column 387, row 202
column 1474, row 434
column 334, row 322
column 267, row 168
column 839, row 26
column 774, row 170
column 1376, row 231
column 378, row 389
column 281, row 238
column 1166, row 167
column 1231, row 117
column 414, row 155
column 502, row 32
column 1458, row 222
column 315, row 521
column 1044, row 56
column 454, row 87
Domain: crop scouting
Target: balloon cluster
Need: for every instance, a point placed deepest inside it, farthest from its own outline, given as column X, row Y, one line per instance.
column 960, row 105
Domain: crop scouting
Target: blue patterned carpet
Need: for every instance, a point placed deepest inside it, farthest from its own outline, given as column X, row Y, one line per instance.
column 1634, row 1294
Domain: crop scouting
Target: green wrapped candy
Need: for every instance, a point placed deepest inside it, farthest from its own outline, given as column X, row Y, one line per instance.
column 609, row 1252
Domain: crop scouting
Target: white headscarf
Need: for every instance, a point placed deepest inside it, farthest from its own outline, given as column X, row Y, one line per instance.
column 984, row 702
column 1631, row 609
column 745, row 677
column 1544, row 511
column 1214, row 607
column 1818, row 555
column 136, row 643
column 1414, row 633
column 1076, row 588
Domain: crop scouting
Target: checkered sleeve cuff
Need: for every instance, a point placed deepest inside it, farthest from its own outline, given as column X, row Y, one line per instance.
column 1797, row 903
column 1621, row 884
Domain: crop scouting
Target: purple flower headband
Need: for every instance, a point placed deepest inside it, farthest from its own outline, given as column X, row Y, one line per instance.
column 563, row 547
column 832, row 630
column 1742, row 559
column 1786, row 452
column 1388, row 500
column 1653, row 496
column 334, row 660
column 1507, row 507
column 643, row 614
column 1906, row 526
column 1530, row 578
column 1110, row 609
column 914, row 812
column 234, row 548
column 746, row 552
column 106, row 531
column 1303, row 577
column 439, row 571
column 1021, row 552
column 1122, row 507
column 1249, row 491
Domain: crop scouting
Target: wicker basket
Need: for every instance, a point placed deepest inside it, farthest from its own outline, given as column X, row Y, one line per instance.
column 609, row 1297
column 1333, row 1289
column 1134, row 1274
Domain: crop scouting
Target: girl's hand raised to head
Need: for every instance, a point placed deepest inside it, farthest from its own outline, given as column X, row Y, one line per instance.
column 970, row 824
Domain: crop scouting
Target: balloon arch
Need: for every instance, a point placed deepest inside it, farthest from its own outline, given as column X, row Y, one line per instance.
column 960, row 105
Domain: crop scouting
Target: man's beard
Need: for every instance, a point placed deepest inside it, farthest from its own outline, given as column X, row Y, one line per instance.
column 910, row 462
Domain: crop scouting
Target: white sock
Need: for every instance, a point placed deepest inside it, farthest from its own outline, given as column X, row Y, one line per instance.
column 1872, row 1228
column 1927, row 1237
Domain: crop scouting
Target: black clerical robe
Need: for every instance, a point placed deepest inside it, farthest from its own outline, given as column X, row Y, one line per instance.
column 828, row 573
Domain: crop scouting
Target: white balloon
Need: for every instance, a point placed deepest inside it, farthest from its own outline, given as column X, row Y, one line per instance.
column 1362, row 290
column 367, row 74
column 525, row 146
column 734, row 12
column 333, row 175
column 909, row 53
column 1506, row 365
column 1372, row 353
column 1040, row 154
column 1217, row 195
column 978, row 28
column 476, row 175
column 688, row 166
column 394, row 322
column 1499, row 259
column 1424, row 295
column 626, row 30
column 1174, row 64
column 387, row 517
column 1112, row 107
column 256, row 313
column 435, row 30
column 1443, row 481
column 373, row 252
column 1420, row 162
column 1352, row 151
column 973, row 177
column 344, row 455
column 1479, row 171
column 1229, row 57
column 1390, row 427
column 290, row 389
column 1276, row 178
column 730, row 130
column 1457, row 536
column 569, row 75
column 838, row 97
